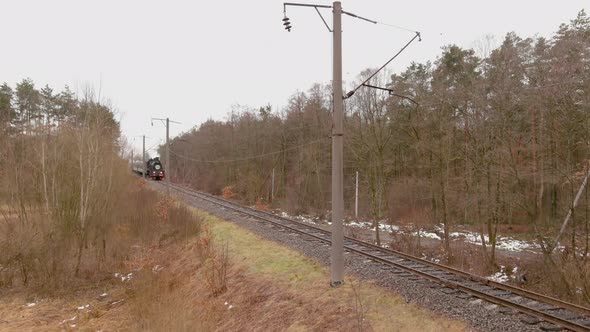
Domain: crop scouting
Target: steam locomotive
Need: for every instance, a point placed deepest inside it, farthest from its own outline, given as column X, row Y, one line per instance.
column 154, row 169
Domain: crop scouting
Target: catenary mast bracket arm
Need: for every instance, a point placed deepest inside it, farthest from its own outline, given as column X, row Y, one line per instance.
column 391, row 93
column 285, row 4
column 165, row 120
column 359, row 17
column 327, row 26
column 351, row 92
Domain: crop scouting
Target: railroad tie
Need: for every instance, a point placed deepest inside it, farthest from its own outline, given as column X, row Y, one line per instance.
column 531, row 320
column 499, row 292
column 550, row 327
column 450, row 290
column 585, row 322
column 464, row 296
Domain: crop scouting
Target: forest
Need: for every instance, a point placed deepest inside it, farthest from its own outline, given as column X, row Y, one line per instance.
column 60, row 193
column 495, row 138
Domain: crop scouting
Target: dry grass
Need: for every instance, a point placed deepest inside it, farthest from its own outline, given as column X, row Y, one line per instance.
column 41, row 256
column 267, row 288
column 305, row 295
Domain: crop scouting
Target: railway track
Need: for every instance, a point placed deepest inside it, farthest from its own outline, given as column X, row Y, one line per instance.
column 453, row 281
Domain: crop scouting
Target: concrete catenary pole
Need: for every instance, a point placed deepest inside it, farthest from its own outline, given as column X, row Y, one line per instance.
column 356, row 196
column 272, row 186
column 144, row 167
column 168, row 169
column 337, row 257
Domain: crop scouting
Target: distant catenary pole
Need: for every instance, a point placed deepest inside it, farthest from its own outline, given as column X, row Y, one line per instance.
column 167, row 176
column 356, row 196
column 272, row 186
column 143, row 165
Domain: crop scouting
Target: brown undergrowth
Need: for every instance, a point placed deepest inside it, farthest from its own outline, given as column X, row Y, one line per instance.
column 265, row 287
column 215, row 277
column 202, row 290
column 183, row 298
column 38, row 256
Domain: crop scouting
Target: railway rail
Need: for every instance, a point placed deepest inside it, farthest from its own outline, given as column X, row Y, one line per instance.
column 457, row 282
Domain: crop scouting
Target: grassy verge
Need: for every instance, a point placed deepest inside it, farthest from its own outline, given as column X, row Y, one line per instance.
column 363, row 305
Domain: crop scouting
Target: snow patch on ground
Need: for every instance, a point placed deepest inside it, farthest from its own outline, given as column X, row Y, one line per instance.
column 499, row 277
column 505, row 243
column 359, row 224
column 117, row 302
column 69, row 320
column 503, row 275
column 303, row 218
column 383, row 226
column 426, row 234
column 510, row 244
column 502, row 242
column 124, row 277
column 432, row 259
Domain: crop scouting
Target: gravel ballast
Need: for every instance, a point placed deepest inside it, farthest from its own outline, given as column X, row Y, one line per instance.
column 479, row 314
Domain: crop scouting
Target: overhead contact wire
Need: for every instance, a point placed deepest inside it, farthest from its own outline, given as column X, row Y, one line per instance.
column 398, row 27
column 251, row 157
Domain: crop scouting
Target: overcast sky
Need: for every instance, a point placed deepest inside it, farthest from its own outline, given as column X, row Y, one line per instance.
column 192, row 60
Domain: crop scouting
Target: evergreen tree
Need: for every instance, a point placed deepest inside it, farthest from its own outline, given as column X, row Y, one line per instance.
column 48, row 105
column 7, row 113
column 27, row 105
